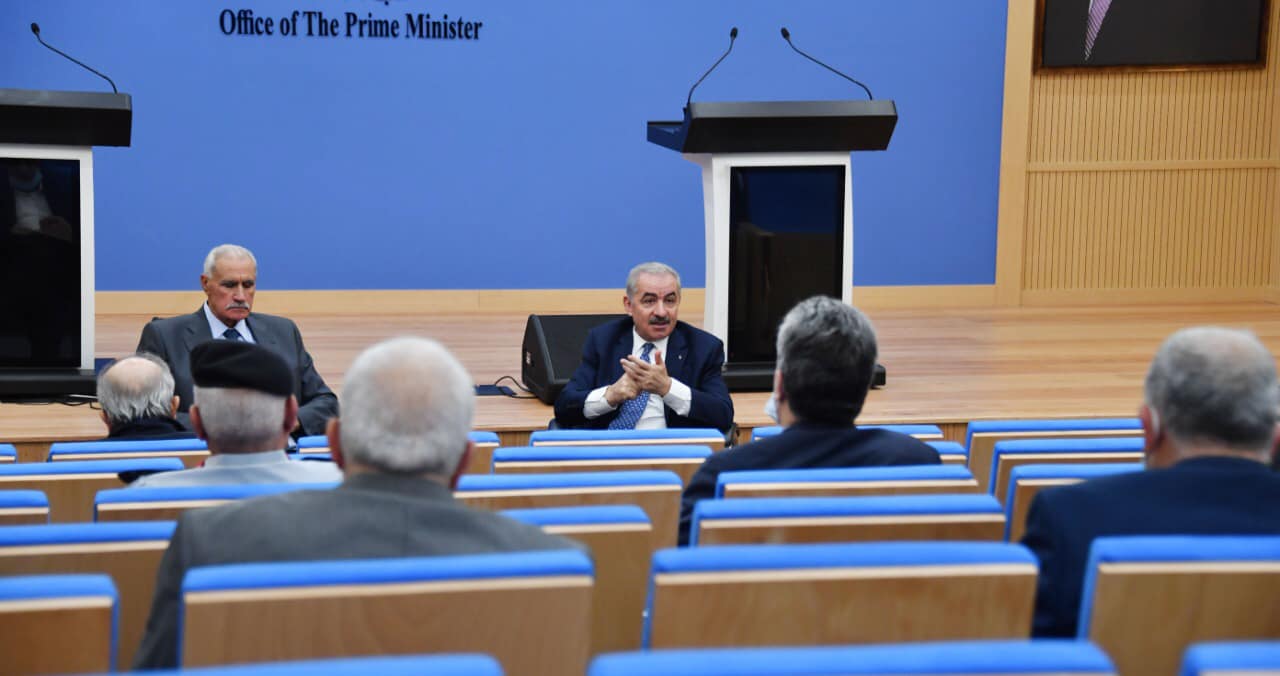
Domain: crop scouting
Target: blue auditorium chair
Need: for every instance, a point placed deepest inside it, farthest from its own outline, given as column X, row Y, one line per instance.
column 163, row 503
column 191, row 452
column 742, row 521
column 1009, row 454
column 682, row 459
column 23, row 507
column 1025, row 481
column 57, row 623
column 620, row 538
column 8, row 453
column 402, row 665
column 922, row 432
column 127, row 552
column 951, row 452
column 982, row 435
column 1256, row 658
column 70, row 486
column 846, row 481
column 530, row 610
column 708, row 436
column 657, row 493
column 316, row 447
column 961, row 658
column 832, row 594
column 1147, row 598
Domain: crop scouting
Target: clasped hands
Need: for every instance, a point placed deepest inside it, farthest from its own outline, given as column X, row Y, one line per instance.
column 639, row 376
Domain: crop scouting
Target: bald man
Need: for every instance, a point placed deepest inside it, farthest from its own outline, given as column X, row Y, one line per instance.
column 137, row 399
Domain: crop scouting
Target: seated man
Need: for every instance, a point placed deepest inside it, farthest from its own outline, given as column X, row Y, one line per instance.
column 402, row 443
column 1209, row 427
column 136, row 395
column 244, row 409
column 229, row 282
column 826, row 359
column 649, row 370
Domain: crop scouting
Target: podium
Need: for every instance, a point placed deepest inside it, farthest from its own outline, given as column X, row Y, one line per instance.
column 778, row 211
column 46, row 235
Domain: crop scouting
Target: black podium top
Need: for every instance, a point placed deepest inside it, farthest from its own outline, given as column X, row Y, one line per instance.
column 778, row 127
column 65, row 118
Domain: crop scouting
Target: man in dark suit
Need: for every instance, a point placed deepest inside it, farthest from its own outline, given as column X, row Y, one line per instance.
column 402, row 443
column 649, row 370
column 826, row 360
column 138, row 404
column 229, row 282
column 1145, row 32
column 1209, row 426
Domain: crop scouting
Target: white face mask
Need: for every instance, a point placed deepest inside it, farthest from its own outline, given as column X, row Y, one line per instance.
column 771, row 408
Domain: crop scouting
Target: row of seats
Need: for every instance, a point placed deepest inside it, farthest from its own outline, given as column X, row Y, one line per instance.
column 1146, row 599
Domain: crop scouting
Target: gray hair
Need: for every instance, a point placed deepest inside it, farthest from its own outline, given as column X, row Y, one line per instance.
column 239, row 419
column 650, row 268
column 827, row 357
column 1215, row 385
column 222, row 251
column 130, row 394
column 407, row 407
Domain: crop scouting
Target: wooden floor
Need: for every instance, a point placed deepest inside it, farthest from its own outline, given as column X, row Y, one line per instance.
column 945, row 367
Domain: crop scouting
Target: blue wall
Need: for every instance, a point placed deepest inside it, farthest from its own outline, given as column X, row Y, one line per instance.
column 517, row 160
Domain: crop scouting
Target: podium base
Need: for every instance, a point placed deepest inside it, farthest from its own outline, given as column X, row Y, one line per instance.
column 758, row 376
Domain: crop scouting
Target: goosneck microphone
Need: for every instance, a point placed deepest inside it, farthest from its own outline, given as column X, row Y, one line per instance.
column 35, row 30
column 786, row 35
column 733, row 35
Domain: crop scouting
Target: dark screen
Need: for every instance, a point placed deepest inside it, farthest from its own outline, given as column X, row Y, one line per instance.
column 40, row 263
column 786, row 243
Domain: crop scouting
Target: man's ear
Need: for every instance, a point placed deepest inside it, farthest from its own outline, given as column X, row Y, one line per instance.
column 204, row 283
column 290, row 414
column 779, row 392
column 1152, row 433
column 173, row 407
column 333, row 431
column 462, row 465
column 197, row 425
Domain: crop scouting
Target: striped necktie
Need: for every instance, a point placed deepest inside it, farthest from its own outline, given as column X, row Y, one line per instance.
column 1097, row 12
column 631, row 410
column 232, row 334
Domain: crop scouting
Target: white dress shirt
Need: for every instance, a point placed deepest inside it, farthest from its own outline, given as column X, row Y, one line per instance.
column 217, row 328
column 679, row 397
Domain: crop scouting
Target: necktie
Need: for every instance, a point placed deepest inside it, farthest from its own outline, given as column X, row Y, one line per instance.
column 232, row 334
column 631, row 410
column 1097, row 12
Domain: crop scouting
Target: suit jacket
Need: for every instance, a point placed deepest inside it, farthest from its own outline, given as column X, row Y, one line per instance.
column 172, row 338
column 368, row 516
column 1199, row 496
column 694, row 357
column 805, row 445
column 149, row 429
column 1140, row 32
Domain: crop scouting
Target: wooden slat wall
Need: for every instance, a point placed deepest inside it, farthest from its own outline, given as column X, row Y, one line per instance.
column 1147, row 186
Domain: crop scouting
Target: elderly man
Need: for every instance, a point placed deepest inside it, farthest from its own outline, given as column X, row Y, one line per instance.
column 402, row 443
column 648, row 370
column 826, row 359
column 229, row 282
column 1209, row 428
column 244, row 409
column 136, row 395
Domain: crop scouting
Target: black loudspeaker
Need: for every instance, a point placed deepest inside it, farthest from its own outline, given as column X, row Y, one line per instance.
column 552, row 350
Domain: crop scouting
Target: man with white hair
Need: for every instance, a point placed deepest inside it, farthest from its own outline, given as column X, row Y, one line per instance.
column 136, row 395
column 229, row 282
column 402, row 443
column 1209, row 428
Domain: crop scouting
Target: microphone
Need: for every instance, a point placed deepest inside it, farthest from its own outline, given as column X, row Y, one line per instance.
column 733, row 35
column 786, row 35
column 35, row 30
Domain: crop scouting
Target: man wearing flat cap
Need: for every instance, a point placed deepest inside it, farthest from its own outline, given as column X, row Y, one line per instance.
column 244, row 407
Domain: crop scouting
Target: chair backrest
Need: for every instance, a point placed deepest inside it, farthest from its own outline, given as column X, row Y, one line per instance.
column 1026, row 481
column 165, row 503
column 57, row 624
column 1009, row 454
column 922, row 432
column 702, row 436
column 70, row 486
column 831, row 594
column 951, row 452
column 967, row 658
column 846, row 519
column 983, row 435
column 846, row 481
column 684, row 460
column 399, row 665
column 1146, row 598
column 8, row 453
column 1233, row 658
column 479, row 462
column 530, row 610
column 657, row 493
column 620, row 538
column 23, row 507
column 127, row 552
column 191, row 452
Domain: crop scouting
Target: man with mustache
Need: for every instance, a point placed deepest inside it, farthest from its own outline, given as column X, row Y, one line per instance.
column 229, row 281
column 648, row 370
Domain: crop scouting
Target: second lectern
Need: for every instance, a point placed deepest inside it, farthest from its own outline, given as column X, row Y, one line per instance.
column 778, row 207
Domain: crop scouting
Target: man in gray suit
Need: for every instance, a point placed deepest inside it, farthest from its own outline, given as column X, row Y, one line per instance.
column 402, row 443
column 229, row 281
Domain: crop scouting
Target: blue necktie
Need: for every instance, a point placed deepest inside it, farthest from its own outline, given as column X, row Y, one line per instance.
column 232, row 334
column 631, row 410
